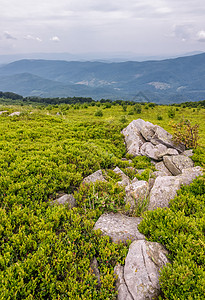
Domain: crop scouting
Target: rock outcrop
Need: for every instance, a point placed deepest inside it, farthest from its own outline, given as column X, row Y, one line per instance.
column 119, row 227
column 139, row 279
column 66, row 199
column 97, row 176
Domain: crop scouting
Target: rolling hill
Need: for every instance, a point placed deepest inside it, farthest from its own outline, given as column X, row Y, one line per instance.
column 166, row 81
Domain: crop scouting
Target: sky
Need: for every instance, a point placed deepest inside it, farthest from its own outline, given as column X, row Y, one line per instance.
column 141, row 27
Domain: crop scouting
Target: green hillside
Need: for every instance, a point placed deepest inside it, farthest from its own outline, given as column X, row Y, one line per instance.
column 46, row 250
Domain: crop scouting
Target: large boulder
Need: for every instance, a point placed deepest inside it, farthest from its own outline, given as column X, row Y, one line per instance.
column 96, row 176
column 123, row 292
column 161, row 169
column 154, row 152
column 133, row 138
column 119, row 227
column 175, row 164
column 189, row 174
column 140, row 278
column 164, row 189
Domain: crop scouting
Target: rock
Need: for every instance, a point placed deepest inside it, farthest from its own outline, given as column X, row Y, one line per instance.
column 125, row 179
column 164, row 189
column 154, row 152
column 169, row 151
column 189, row 174
column 175, row 164
column 3, row 112
column 133, row 137
column 97, row 176
column 95, row 270
column 161, row 136
column 148, row 130
column 161, row 167
column 137, row 191
column 141, row 270
column 16, row 113
column 123, row 292
column 188, row 153
column 66, row 199
column 119, row 227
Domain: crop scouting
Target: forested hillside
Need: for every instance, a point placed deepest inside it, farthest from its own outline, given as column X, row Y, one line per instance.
column 166, row 81
column 46, row 250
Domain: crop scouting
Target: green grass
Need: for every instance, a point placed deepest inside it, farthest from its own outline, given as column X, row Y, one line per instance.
column 46, row 251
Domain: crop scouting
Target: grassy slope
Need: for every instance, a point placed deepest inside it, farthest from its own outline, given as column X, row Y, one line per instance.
column 46, row 251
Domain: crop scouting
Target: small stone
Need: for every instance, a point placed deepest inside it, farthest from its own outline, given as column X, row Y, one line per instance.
column 96, row 176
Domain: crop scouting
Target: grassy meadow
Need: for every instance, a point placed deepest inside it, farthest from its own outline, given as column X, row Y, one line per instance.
column 46, row 250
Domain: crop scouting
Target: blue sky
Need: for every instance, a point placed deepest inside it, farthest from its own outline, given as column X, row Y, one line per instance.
column 144, row 27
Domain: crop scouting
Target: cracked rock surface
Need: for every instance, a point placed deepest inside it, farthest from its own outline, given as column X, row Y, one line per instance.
column 139, row 279
column 119, row 227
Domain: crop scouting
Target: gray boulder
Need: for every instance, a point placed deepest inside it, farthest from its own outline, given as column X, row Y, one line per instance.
column 119, row 227
column 66, row 199
column 161, row 136
column 123, row 292
column 133, row 138
column 164, row 189
column 148, row 130
column 169, row 151
column 96, row 176
column 151, row 151
column 175, row 164
column 16, row 113
column 124, row 178
column 189, row 174
column 160, row 167
column 141, row 271
column 95, row 270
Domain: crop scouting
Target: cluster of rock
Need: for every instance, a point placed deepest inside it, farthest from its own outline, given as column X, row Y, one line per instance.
column 138, row 279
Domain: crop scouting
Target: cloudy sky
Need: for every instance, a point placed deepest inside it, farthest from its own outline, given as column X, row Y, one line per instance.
column 143, row 27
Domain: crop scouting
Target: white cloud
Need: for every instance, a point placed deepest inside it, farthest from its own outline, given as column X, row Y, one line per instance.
column 8, row 36
column 55, row 39
column 31, row 37
column 201, row 36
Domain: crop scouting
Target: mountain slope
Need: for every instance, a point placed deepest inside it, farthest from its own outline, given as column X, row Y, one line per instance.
column 180, row 79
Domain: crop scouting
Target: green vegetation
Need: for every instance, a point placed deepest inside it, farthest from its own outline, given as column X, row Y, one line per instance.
column 46, row 251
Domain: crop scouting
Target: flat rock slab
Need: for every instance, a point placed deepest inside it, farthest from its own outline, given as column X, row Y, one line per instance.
column 164, row 189
column 175, row 164
column 152, row 151
column 123, row 292
column 141, row 270
column 189, row 174
column 119, row 227
column 96, row 176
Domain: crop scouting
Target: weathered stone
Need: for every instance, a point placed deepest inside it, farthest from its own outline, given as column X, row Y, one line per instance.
column 133, row 137
column 169, row 151
column 177, row 163
column 189, row 174
column 95, row 270
column 3, row 112
column 16, row 113
column 188, row 153
column 66, row 199
column 123, row 292
column 97, row 176
column 137, row 191
column 164, row 189
column 141, row 271
column 119, row 227
column 125, row 179
column 154, row 152
column 161, row 167
column 161, row 136
column 148, row 130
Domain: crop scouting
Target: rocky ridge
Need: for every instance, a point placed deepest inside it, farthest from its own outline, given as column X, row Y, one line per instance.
column 138, row 279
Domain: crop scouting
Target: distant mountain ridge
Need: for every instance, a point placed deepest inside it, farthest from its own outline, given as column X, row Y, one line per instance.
column 166, row 81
